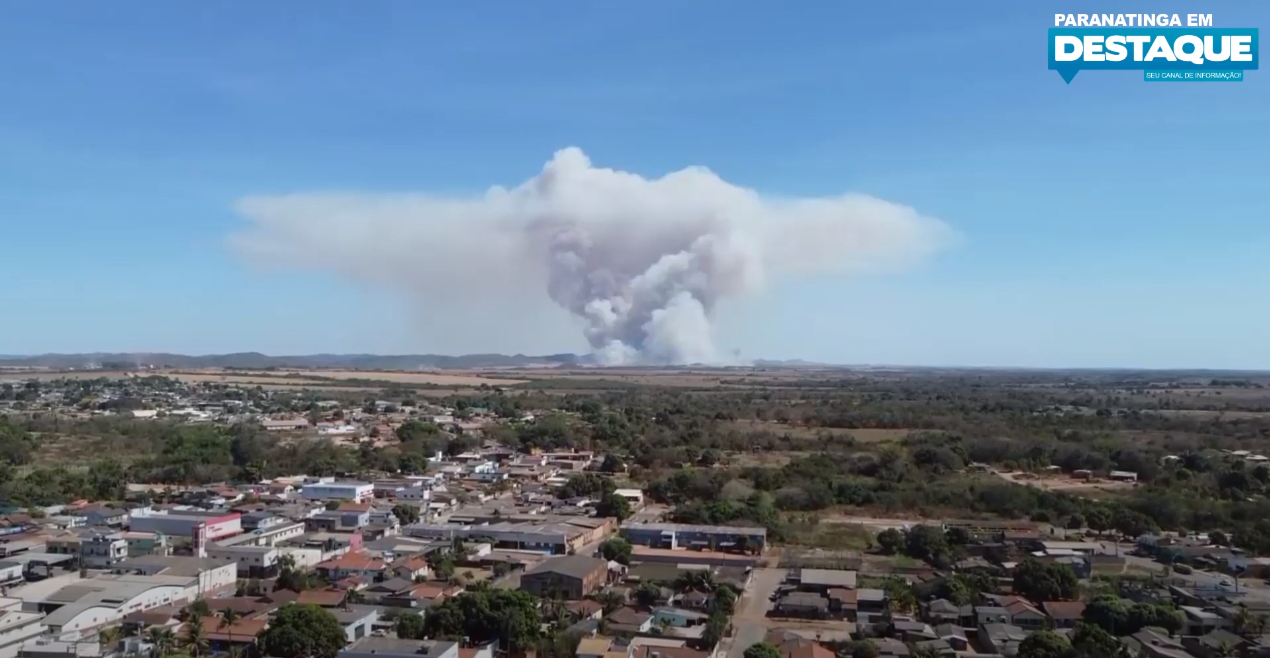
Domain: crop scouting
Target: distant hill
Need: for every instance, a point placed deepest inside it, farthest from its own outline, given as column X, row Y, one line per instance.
column 256, row 361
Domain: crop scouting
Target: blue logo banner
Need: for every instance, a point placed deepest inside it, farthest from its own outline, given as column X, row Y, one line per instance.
column 1159, row 49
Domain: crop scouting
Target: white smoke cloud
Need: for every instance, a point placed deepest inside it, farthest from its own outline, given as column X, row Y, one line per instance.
column 642, row 262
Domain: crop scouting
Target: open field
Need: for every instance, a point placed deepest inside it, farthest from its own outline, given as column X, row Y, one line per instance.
column 1067, row 484
column 473, row 378
column 346, row 379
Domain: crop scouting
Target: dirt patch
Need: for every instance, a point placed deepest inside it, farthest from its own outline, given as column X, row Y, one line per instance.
column 1064, row 482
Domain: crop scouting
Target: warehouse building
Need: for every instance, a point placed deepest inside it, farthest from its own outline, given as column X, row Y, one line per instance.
column 571, row 576
column 330, row 489
column 194, row 524
column 701, row 537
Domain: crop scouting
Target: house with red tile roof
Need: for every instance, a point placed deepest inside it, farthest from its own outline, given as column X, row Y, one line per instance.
column 353, row 564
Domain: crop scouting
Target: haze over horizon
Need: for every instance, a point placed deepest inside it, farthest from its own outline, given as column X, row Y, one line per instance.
column 375, row 181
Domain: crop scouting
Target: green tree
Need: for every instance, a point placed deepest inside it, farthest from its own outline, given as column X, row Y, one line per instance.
column 612, row 464
column 406, row 514
column 723, row 601
column 302, row 631
column 1161, row 615
column 1044, row 644
column 617, row 549
column 195, row 639
column 162, row 639
column 863, row 648
column 613, row 506
column 890, row 541
column 647, row 594
column 610, row 600
column 409, row 626
column 1109, row 614
column 925, row 542
column 1045, row 582
column 763, row 650
column 229, row 617
column 510, row 616
column 1091, row 641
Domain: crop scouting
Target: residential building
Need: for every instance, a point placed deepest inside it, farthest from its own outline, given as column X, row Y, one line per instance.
column 1064, row 614
column 103, row 550
column 1003, row 639
column 353, row 564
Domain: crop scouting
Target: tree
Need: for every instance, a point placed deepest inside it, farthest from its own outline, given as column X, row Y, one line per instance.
column 162, row 639
column 1109, row 614
column 406, row 514
column 613, row 506
column 763, row 650
column 723, row 601
column 1161, row 615
column 695, row 580
column 1044, row 644
column 612, row 464
column 1045, row 582
column 861, row 649
column 198, row 607
column 610, row 600
column 108, row 637
column 332, row 505
column 1218, row 537
column 925, row 542
column 900, row 596
column 957, row 536
column 890, row 541
column 302, row 631
column 409, row 626
column 510, row 616
column 617, row 549
column 1091, row 641
column 195, row 639
column 647, row 594
column 229, row 617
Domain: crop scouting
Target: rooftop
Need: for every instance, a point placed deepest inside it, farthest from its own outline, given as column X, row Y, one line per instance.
column 397, row 646
column 574, row 566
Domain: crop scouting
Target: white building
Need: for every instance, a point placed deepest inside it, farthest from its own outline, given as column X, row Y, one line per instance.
column 329, row 489
column 250, row 561
column 187, row 523
column 632, row 496
column 16, row 627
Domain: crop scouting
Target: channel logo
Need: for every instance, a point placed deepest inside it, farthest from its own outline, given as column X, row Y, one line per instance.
column 1161, row 53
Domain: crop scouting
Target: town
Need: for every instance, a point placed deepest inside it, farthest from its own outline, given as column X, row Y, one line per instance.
column 476, row 526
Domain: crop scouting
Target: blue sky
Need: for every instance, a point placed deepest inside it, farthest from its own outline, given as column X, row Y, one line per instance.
column 1109, row 222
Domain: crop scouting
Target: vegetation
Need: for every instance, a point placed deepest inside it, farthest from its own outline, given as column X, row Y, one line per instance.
column 302, row 631
column 765, row 449
column 508, row 616
column 763, row 650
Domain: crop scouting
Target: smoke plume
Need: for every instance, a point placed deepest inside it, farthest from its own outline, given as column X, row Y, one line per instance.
column 643, row 263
